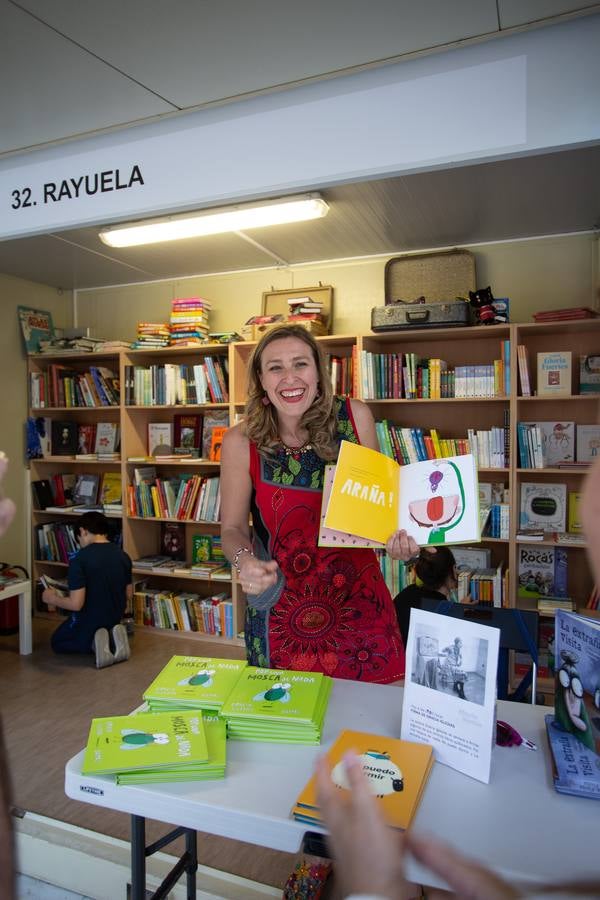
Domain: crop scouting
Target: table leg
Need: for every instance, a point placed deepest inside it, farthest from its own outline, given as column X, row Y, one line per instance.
column 138, row 858
column 191, row 846
column 25, row 621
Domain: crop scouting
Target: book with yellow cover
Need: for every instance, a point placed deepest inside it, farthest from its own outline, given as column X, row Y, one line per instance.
column 371, row 496
column 397, row 772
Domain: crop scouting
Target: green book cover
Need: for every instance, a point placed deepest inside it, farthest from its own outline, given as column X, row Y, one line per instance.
column 276, row 695
column 145, row 740
column 202, row 682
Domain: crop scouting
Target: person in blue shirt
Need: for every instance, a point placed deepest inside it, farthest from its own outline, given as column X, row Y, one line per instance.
column 100, row 588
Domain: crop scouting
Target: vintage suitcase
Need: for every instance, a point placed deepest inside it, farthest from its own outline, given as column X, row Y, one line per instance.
column 402, row 316
column 439, row 278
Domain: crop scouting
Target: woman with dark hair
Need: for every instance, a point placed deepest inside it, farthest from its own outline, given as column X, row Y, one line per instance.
column 309, row 608
column 436, row 579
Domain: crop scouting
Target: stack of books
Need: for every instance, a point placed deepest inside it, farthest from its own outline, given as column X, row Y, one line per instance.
column 193, row 682
column 397, row 772
column 189, row 321
column 308, row 309
column 563, row 315
column 151, row 335
column 277, row 705
column 144, row 748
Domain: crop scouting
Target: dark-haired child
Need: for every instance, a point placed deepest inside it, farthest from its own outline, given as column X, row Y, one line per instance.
column 437, row 577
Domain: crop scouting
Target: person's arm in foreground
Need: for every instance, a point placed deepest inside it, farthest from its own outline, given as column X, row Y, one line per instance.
column 369, row 855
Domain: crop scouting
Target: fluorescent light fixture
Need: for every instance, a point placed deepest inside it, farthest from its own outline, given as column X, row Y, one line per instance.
column 217, row 221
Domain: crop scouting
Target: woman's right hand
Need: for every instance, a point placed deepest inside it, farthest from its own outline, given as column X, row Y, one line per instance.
column 256, row 575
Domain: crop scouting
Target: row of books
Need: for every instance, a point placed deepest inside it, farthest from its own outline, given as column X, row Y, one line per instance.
column 188, row 322
column 186, row 497
column 554, row 371
column 484, row 586
column 68, row 489
column 495, row 520
column 183, row 611
column 67, row 437
column 170, row 384
column 554, row 443
column 342, row 370
column 408, row 445
column 57, row 541
column 62, row 386
column 392, row 376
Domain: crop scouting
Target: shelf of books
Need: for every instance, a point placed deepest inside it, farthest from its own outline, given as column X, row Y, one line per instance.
column 556, row 438
column 176, row 408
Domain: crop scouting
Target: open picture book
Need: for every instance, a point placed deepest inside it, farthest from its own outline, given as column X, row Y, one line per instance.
column 367, row 497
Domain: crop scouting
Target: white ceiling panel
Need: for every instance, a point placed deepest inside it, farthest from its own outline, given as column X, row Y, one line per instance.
column 513, row 13
column 195, row 51
column 52, row 89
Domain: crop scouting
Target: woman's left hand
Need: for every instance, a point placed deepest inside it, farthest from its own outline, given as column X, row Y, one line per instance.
column 402, row 546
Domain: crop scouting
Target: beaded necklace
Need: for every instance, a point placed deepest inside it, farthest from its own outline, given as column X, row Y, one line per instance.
column 296, row 451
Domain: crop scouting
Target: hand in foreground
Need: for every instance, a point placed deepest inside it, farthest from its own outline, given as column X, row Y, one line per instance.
column 402, row 546
column 7, row 507
column 367, row 853
column 50, row 598
column 256, row 575
column 466, row 878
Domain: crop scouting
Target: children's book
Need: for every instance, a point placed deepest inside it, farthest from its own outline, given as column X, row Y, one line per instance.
column 574, row 729
column 436, row 500
column 110, row 488
column 85, row 492
column 558, row 441
column 450, row 690
column 589, row 374
column 554, row 373
column 397, row 772
column 588, row 443
column 216, row 440
column 280, row 705
column 202, row 548
column 543, row 505
column 574, row 525
column 160, row 438
column 198, row 682
column 542, row 571
column 215, row 418
column 36, row 325
column 172, row 540
column 188, row 433
column 107, row 437
column 144, row 741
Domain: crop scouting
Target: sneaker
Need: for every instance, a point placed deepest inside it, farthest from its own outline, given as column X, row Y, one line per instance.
column 122, row 651
column 103, row 655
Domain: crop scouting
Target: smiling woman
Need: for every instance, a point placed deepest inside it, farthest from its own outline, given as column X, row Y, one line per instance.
column 309, row 608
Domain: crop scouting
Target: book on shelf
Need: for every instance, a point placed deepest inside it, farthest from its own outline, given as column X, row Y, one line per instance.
column 193, row 682
column 107, row 437
column 145, row 741
column 85, row 492
column 450, row 690
column 541, row 571
column 523, row 366
column 41, row 493
column 396, row 772
column 64, row 438
column 172, row 540
column 36, row 325
column 148, row 562
column 216, row 441
column 574, row 729
column 589, row 374
column 277, row 705
column 214, row 418
column 551, row 604
column 574, row 525
column 554, row 373
column 86, row 439
column 558, row 442
column 63, row 488
column 160, row 438
column 188, row 433
column 110, row 491
column 532, row 535
column 588, row 443
column 201, row 548
column 543, row 506
column 372, row 496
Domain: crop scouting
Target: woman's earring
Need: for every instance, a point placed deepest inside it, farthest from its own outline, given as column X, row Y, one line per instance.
column 265, row 400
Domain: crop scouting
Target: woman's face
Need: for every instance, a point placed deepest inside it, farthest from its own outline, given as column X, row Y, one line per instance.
column 289, row 376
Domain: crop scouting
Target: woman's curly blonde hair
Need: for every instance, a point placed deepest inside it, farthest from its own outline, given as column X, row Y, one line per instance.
column 261, row 425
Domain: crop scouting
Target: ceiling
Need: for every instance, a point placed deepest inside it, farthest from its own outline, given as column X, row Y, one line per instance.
column 93, row 66
column 534, row 195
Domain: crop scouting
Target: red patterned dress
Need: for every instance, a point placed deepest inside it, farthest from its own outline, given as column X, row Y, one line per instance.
column 334, row 613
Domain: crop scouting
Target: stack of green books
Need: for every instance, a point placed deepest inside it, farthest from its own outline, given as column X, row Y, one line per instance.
column 277, row 705
column 145, row 748
column 193, row 682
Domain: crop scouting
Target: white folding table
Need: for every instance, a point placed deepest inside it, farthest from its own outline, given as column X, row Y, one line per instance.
column 517, row 824
column 22, row 589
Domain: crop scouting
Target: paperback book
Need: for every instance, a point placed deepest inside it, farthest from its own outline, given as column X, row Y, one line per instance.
column 193, row 682
column 542, row 571
column 588, row 443
column 450, row 690
column 396, row 770
column 554, row 373
column 574, row 729
column 589, row 374
column 145, row 741
column 437, row 500
column 278, row 705
column 543, row 505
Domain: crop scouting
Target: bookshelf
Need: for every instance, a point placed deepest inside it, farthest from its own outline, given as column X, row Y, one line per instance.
column 451, row 416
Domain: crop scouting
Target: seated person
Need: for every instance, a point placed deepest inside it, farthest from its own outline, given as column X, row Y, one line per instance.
column 437, row 577
column 99, row 590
